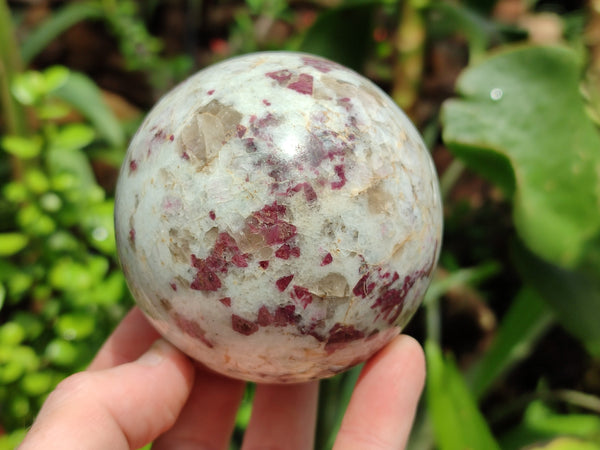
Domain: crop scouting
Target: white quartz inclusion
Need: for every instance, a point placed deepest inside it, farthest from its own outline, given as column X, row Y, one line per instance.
column 278, row 217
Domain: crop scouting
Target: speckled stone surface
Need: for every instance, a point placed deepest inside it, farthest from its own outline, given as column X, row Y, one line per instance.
column 278, row 218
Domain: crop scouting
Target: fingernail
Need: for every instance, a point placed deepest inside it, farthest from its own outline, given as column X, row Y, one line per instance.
column 155, row 354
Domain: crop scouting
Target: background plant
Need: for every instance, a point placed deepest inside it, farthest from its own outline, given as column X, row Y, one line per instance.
column 507, row 96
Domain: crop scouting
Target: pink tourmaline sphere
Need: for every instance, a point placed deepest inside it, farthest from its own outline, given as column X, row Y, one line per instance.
column 278, row 217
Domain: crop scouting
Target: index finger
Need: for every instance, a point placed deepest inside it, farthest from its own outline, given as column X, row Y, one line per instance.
column 132, row 337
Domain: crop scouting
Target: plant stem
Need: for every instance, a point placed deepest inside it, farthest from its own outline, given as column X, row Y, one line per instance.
column 570, row 397
column 450, row 177
column 10, row 65
column 410, row 62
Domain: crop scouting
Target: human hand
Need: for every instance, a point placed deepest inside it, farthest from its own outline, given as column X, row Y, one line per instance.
column 140, row 389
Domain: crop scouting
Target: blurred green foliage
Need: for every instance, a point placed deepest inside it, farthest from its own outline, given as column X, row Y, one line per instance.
column 62, row 290
column 524, row 118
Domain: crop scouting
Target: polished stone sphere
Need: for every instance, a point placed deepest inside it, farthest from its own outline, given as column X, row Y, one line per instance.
column 278, row 217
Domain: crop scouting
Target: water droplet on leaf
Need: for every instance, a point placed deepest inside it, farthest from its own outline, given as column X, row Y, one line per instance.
column 496, row 94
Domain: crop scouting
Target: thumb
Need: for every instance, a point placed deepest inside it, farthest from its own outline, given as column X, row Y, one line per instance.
column 122, row 407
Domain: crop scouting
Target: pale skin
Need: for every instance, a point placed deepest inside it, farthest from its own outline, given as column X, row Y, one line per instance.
column 141, row 389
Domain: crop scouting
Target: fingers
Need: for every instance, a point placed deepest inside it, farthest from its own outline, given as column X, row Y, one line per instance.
column 131, row 338
column 283, row 417
column 383, row 405
column 119, row 408
column 208, row 418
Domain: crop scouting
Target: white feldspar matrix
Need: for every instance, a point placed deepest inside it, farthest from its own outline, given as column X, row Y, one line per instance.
column 278, row 217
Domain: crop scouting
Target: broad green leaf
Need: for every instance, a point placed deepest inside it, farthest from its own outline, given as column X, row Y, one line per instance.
column 22, row 147
column 521, row 122
column 58, row 22
column 457, row 422
column 83, row 94
column 12, row 243
column 574, row 295
column 524, row 323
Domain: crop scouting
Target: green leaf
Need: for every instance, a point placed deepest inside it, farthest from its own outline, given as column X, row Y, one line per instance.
column 73, row 168
column 342, row 34
column 573, row 294
column 71, row 137
column 457, row 422
column 69, row 275
column 36, row 181
column 19, row 407
column 52, row 110
column 12, row 440
column 11, row 334
column 29, row 87
column 31, row 323
column 23, row 147
column 16, row 361
column 448, row 18
column 526, row 320
column 12, row 243
column 26, row 357
column 540, row 423
column 55, row 77
column 75, row 326
column 18, row 283
column 521, row 122
column 82, row 93
column 37, row 383
column 98, row 224
column 33, row 221
column 108, row 292
column 61, row 352
column 568, row 443
column 15, row 191
column 58, row 22
column 10, row 372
